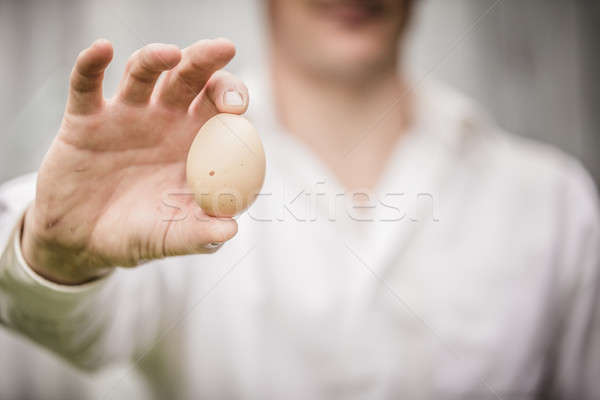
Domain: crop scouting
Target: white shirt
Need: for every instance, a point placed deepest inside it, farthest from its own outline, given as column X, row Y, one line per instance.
column 474, row 276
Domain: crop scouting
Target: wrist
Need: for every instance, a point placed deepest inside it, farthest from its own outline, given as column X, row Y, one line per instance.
column 52, row 261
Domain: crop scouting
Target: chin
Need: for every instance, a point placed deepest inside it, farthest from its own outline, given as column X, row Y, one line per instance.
column 354, row 58
column 371, row 46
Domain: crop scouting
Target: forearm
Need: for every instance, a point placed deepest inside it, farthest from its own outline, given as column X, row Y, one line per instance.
column 78, row 322
column 66, row 319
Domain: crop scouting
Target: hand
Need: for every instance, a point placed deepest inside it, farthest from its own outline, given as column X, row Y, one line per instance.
column 102, row 183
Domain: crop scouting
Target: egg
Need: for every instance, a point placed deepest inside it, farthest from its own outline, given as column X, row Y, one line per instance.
column 226, row 165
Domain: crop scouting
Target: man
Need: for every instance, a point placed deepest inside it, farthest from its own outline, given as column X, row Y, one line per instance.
column 402, row 247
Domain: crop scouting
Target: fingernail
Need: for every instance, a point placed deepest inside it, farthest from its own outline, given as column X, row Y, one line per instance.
column 233, row 98
column 214, row 245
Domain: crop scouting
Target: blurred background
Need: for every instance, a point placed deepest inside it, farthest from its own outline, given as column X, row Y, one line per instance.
column 531, row 63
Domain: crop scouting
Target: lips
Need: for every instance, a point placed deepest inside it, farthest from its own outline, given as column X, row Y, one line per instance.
column 351, row 11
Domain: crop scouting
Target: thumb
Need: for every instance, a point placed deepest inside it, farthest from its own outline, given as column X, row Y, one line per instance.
column 197, row 234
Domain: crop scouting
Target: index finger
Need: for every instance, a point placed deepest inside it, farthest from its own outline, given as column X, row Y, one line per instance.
column 85, row 92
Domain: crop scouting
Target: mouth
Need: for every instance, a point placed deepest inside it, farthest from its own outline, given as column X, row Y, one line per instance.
column 351, row 12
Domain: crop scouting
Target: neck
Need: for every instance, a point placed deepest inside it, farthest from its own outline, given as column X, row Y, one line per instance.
column 341, row 119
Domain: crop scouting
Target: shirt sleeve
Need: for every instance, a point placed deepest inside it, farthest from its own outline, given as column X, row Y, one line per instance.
column 577, row 352
column 90, row 325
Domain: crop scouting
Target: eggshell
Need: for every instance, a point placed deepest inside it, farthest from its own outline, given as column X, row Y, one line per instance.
column 226, row 165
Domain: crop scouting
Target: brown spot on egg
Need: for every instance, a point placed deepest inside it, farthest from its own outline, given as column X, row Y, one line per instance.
column 240, row 159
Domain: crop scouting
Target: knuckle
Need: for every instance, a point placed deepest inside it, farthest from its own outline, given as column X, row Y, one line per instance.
column 83, row 83
column 146, row 58
column 200, row 65
column 153, row 59
column 142, row 76
column 140, row 69
column 188, row 84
